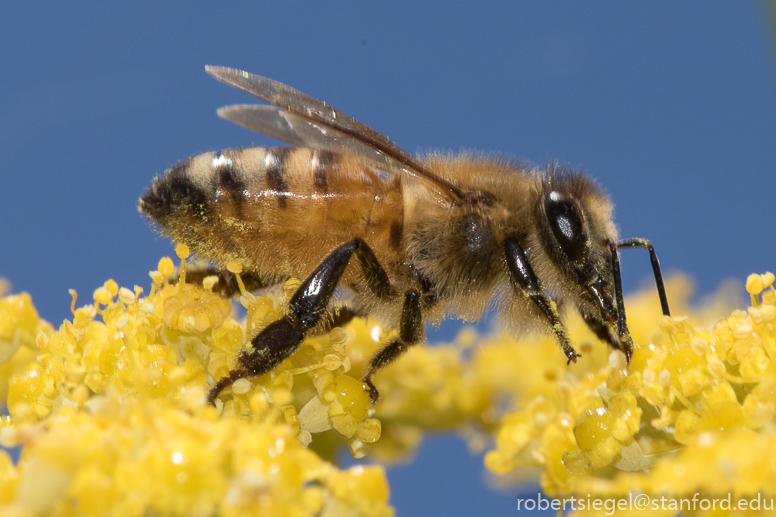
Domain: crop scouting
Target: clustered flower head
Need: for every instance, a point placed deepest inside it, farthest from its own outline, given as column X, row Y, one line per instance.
column 111, row 412
column 112, row 416
column 694, row 412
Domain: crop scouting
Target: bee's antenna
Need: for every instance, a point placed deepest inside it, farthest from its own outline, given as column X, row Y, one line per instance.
column 661, row 290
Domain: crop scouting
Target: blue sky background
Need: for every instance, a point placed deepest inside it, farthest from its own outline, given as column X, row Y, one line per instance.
column 671, row 105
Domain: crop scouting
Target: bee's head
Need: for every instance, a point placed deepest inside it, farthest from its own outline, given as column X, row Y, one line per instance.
column 575, row 229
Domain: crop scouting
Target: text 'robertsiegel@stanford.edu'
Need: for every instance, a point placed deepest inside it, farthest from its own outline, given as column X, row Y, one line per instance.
column 644, row 502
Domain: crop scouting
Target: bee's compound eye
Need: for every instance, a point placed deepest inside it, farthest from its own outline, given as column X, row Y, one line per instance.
column 568, row 225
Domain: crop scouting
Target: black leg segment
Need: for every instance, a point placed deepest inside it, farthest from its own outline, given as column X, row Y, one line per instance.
column 525, row 279
column 308, row 304
column 338, row 317
column 410, row 333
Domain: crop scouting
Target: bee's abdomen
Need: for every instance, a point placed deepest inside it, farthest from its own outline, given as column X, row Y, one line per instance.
column 276, row 210
column 172, row 191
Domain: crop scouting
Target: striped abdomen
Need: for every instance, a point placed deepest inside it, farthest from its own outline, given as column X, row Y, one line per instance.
column 277, row 211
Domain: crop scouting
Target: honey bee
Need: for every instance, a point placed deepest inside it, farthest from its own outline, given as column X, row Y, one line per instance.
column 434, row 237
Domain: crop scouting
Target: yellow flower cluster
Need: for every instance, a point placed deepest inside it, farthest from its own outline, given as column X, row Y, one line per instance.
column 111, row 413
column 19, row 327
column 112, row 416
column 128, row 456
column 694, row 412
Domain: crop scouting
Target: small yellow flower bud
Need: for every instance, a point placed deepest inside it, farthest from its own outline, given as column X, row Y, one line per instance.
column 754, row 284
column 165, row 266
column 111, row 286
column 156, row 277
column 338, row 336
column 182, row 251
column 102, row 296
column 332, row 362
column 241, row 386
column 126, row 296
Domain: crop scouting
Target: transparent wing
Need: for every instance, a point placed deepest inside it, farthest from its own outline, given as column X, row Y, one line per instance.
column 267, row 120
column 300, row 119
column 300, row 131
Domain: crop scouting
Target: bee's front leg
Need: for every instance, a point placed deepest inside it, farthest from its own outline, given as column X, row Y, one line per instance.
column 525, row 279
column 309, row 303
column 410, row 333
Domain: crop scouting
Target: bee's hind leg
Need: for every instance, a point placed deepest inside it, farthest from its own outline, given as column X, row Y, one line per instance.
column 410, row 333
column 309, row 303
column 335, row 318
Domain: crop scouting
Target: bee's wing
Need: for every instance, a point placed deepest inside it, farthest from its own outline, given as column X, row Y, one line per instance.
column 300, row 131
column 267, row 120
column 300, row 118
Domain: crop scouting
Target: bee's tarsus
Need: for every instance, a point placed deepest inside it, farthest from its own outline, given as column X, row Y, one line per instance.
column 223, row 383
column 374, row 395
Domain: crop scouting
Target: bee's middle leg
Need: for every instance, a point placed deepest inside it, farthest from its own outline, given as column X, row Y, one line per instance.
column 410, row 333
column 309, row 303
